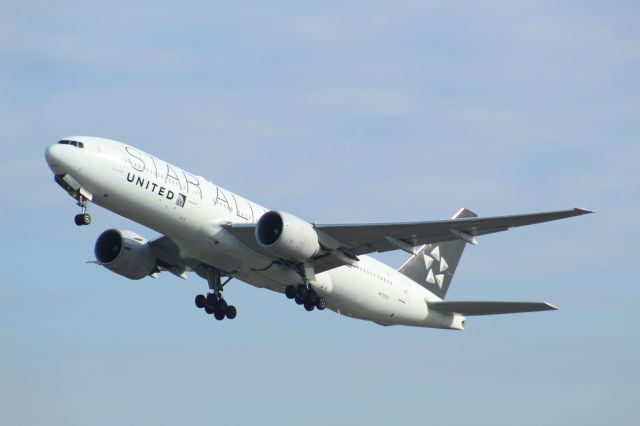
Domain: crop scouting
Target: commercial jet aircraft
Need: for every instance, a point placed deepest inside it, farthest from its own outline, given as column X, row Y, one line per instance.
column 220, row 236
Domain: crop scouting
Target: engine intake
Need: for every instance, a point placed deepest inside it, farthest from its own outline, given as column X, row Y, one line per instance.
column 125, row 253
column 287, row 236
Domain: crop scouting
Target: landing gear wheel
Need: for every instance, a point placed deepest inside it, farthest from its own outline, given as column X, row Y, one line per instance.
column 208, row 309
column 82, row 219
column 201, row 301
column 231, row 312
column 290, row 292
column 301, row 292
column 299, row 301
column 309, row 306
column 221, row 305
column 211, row 300
column 218, row 315
column 311, row 298
column 321, row 303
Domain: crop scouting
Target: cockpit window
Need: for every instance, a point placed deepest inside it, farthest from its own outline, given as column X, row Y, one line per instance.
column 74, row 143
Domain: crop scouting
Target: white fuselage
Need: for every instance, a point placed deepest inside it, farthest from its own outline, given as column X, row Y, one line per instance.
column 192, row 211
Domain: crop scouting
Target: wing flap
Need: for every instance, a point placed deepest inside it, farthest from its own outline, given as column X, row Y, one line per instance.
column 489, row 308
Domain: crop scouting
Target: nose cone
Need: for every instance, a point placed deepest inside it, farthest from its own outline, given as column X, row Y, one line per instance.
column 62, row 158
column 54, row 155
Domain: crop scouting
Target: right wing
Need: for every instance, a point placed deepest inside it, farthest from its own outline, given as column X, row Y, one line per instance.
column 343, row 243
column 381, row 237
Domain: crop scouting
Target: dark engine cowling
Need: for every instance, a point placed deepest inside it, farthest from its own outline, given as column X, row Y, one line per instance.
column 287, row 236
column 125, row 253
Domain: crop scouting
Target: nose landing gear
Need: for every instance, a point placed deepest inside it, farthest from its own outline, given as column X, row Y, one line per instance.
column 83, row 218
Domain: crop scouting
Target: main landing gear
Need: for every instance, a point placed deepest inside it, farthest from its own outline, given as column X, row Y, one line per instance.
column 304, row 294
column 214, row 303
column 83, row 218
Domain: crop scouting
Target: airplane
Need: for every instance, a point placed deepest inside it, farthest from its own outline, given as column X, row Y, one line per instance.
column 220, row 236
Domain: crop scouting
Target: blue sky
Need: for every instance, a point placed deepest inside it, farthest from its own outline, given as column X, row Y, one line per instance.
column 336, row 112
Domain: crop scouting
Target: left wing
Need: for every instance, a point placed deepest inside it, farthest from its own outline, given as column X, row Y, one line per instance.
column 344, row 242
column 168, row 256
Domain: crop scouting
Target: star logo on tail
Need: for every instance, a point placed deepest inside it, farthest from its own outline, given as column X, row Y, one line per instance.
column 431, row 260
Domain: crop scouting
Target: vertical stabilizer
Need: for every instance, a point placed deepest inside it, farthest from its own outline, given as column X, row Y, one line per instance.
column 433, row 265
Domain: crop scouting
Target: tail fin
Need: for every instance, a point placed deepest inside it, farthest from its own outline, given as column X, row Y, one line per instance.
column 433, row 265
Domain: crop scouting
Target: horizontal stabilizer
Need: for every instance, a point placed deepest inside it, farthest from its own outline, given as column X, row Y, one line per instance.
column 489, row 308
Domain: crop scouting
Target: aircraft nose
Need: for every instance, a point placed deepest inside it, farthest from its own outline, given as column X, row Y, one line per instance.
column 56, row 158
column 52, row 155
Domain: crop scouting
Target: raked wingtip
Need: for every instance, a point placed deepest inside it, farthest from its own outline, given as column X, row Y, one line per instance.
column 580, row 210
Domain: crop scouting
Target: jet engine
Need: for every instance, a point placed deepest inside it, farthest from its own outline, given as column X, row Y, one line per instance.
column 125, row 253
column 287, row 236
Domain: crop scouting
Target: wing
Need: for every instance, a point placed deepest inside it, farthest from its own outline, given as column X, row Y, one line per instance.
column 168, row 256
column 368, row 238
column 345, row 242
column 489, row 308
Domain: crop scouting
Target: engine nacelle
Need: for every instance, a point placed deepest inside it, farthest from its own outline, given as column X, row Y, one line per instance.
column 125, row 253
column 287, row 236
